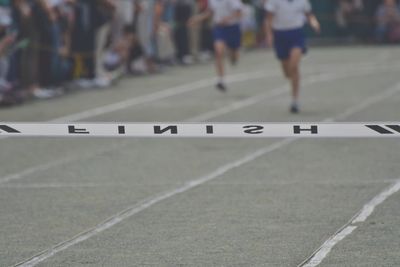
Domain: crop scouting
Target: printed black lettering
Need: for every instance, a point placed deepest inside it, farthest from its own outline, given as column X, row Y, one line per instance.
column 253, row 129
column 121, row 129
column 210, row 129
column 8, row 129
column 394, row 127
column 172, row 128
column 379, row 129
column 73, row 130
column 298, row 130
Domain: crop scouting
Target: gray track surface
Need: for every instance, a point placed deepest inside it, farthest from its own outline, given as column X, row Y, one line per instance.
column 274, row 210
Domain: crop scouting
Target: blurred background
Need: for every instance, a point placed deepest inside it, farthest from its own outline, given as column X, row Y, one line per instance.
column 51, row 47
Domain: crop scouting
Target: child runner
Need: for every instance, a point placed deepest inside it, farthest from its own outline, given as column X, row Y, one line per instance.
column 226, row 16
column 284, row 29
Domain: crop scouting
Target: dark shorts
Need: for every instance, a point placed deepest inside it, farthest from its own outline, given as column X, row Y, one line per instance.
column 230, row 35
column 285, row 41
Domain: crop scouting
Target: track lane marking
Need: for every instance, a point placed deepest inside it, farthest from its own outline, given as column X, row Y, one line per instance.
column 323, row 251
column 56, row 185
column 208, row 115
column 52, row 164
column 129, row 212
column 277, row 92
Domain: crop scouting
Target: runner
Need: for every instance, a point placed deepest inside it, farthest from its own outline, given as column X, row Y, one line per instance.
column 284, row 29
column 226, row 16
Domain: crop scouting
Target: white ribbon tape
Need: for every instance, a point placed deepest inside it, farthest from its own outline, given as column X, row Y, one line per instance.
column 203, row 130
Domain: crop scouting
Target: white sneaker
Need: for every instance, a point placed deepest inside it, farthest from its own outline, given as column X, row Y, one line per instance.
column 188, row 60
column 205, row 57
column 45, row 93
column 102, row 82
column 85, row 83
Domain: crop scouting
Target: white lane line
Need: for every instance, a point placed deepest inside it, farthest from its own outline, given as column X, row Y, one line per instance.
column 34, row 169
column 83, row 185
column 367, row 103
column 52, row 164
column 241, row 77
column 129, row 212
column 174, row 91
column 55, row 185
column 194, row 86
column 159, row 95
column 383, row 96
column 277, row 92
column 114, row 107
column 129, row 103
column 323, row 251
column 379, row 199
column 202, row 117
column 185, row 88
column 206, row 115
column 311, row 182
column 328, row 245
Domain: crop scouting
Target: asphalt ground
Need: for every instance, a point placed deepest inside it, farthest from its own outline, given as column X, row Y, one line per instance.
column 210, row 202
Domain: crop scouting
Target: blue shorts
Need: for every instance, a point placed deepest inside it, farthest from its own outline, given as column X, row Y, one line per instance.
column 230, row 35
column 285, row 41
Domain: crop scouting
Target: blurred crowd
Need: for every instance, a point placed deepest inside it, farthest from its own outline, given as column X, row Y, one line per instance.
column 48, row 47
column 373, row 20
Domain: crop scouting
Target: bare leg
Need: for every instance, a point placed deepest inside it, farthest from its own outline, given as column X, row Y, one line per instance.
column 285, row 68
column 219, row 47
column 294, row 71
column 234, row 56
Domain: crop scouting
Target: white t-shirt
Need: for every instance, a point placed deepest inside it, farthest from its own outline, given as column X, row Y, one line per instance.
column 288, row 14
column 125, row 11
column 224, row 8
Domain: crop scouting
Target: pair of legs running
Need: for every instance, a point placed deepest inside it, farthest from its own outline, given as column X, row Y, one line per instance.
column 220, row 48
column 290, row 67
column 291, row 70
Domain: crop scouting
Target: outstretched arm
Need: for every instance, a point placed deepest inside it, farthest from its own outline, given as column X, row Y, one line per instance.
column 196, row 19
column 268, row 28
column 314, row 23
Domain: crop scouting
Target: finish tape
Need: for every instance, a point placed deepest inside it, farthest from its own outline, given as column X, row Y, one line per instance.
column 203, row 130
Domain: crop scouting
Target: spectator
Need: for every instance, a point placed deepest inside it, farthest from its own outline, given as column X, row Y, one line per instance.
column 351, row 19
column 49, row 44
column 163, row 15
column 183, row 12
column 387, row 22
column 248, row 24
column 7, row 38
column 146, row 29
column 28, row 58
column 87, row 20
column 105, row 13
column 125, row 12
column 206, row 36
column 119, row 53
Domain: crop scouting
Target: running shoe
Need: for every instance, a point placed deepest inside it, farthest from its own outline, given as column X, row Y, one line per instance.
column 294, row 108
column 221, row 87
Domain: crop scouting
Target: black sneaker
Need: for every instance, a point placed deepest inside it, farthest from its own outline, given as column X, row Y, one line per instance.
column 221, row 87
column 294, row 108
